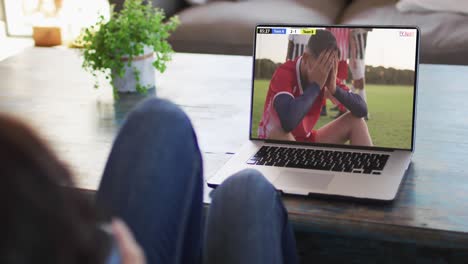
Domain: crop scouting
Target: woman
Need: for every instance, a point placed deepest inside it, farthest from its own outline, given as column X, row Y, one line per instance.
column 158, row 194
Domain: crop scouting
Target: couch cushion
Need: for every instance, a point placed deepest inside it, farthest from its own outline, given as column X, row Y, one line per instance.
column 227, row 27
column 455, row 6
column 199, row 2
column 444, row 36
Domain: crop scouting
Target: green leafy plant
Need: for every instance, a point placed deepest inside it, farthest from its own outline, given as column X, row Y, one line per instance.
column 105, row 44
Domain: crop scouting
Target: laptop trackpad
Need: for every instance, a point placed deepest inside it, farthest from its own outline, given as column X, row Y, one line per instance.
column 297, row 180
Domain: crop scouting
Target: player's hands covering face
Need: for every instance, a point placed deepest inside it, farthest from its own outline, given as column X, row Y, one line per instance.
column 331, row 80
column 318, row 70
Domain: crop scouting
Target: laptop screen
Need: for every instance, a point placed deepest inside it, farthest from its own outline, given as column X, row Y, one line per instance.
column 335, row 85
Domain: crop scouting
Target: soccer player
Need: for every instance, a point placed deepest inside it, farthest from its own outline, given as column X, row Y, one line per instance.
column 297, row 92
column 342, row 36
column 342, row 40
column 297, row 44
column 357, row 65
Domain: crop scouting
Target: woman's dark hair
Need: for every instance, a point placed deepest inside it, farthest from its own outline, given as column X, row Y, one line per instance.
column 320, row 41
column 43, row 219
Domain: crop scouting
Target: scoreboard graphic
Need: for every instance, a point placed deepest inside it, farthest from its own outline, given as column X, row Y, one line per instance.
column 286, row 31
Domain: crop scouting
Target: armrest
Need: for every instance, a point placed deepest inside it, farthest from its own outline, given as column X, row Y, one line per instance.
column 171, row 7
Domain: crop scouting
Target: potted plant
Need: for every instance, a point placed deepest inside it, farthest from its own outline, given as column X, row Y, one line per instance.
column 129, row 47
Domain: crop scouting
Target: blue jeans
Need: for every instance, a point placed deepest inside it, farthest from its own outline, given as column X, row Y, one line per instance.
column 153, row 180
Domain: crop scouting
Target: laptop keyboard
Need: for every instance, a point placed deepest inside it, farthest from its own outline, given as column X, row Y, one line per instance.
column 327, row 160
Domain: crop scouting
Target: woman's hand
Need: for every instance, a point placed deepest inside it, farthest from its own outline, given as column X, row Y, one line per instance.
column 130, row 251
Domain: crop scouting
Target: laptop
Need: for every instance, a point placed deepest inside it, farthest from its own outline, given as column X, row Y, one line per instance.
column 332, row 110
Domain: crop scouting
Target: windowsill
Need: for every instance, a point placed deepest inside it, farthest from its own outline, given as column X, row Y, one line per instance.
column 10, row 46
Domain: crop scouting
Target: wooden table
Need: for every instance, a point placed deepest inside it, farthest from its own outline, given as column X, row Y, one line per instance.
column 47, row 88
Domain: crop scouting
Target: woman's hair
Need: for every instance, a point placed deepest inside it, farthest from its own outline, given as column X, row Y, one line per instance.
column 43, row 219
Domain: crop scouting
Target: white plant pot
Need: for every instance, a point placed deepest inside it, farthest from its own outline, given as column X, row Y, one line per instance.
column 144, row 64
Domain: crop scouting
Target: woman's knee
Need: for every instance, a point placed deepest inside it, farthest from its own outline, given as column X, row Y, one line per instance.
column 155, row 106
column 249, row 178
column 160, row 113
column 248, row 183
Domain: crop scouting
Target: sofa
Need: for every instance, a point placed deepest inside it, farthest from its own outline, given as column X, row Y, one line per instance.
column 226, row 27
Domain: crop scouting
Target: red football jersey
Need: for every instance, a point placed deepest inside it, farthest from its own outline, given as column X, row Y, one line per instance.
column 342, row 41
column 286, row 80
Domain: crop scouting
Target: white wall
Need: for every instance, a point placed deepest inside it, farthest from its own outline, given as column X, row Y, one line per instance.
column 2, row 19
column 1, row 11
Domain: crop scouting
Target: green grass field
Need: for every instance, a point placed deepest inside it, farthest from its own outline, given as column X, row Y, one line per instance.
column 390, row 108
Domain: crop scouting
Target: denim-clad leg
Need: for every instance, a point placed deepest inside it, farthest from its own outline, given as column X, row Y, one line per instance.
column 247, row 223
column 153, row 181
